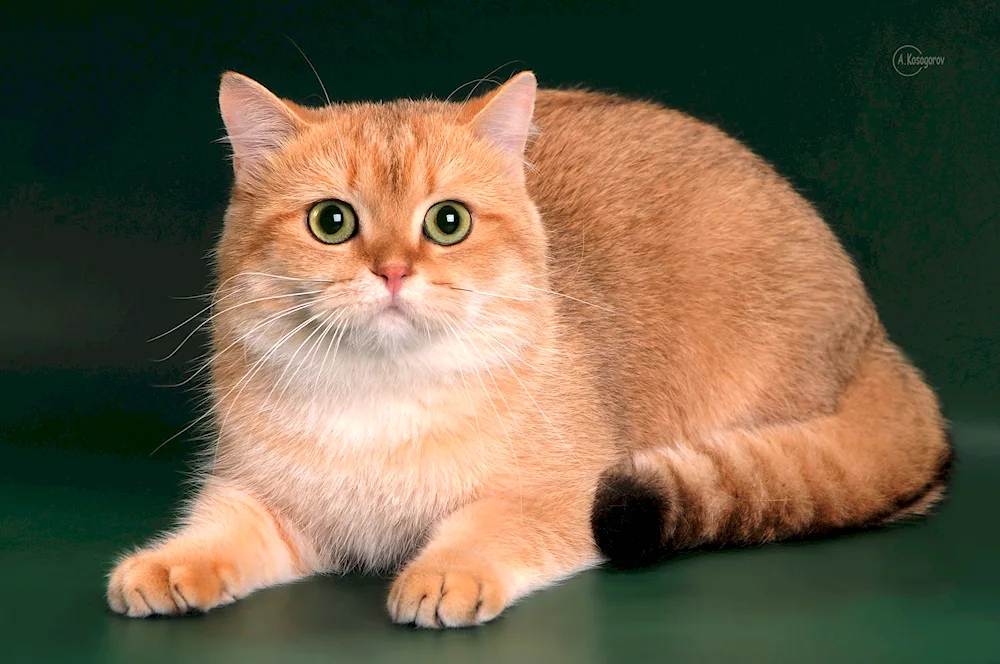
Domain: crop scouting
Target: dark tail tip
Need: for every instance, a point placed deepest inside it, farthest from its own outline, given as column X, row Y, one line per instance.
column 628, row 520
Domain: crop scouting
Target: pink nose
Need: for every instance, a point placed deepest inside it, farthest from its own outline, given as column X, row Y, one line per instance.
column 393, row 273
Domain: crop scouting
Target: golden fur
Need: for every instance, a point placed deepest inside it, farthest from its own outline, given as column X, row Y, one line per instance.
column 641, row 300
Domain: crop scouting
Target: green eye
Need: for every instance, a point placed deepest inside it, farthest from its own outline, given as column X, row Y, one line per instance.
column 447, row 223
column 332, row 221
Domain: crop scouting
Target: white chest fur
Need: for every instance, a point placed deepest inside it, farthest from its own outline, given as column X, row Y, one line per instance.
column 362, row 480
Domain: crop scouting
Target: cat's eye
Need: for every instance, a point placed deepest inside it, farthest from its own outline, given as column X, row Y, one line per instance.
column 447, row 223
column 332, row 221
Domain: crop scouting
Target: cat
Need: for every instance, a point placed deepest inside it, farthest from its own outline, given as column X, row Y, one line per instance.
column 491, row 344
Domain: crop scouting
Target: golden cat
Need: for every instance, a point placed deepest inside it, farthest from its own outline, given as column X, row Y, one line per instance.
column 491, row 359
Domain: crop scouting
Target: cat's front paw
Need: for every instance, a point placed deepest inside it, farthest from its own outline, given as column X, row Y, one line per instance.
column 147, row 583
column 444, row 591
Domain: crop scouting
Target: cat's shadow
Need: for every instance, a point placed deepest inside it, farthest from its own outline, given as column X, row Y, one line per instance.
column 341, row 607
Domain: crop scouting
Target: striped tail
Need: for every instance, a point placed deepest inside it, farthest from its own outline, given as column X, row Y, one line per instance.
column 882, row 456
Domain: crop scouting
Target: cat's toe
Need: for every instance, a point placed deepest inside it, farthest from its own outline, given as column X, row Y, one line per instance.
column 140, row 587
column 430, row 596
column 144, row 585
column 202, row 586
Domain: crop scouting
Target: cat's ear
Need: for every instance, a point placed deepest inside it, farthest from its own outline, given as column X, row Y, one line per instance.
column 505, row 120
column 257, row 121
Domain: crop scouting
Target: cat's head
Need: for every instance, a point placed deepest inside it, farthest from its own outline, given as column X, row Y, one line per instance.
column 399, row 232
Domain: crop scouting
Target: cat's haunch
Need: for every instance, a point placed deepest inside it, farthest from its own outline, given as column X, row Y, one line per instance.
column 490, row 344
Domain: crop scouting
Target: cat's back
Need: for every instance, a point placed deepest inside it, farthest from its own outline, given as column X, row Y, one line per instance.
column 698, row 261
column 633, row 171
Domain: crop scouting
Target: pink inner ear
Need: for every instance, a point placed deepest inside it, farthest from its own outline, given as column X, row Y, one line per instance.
column 506, row 118
column 257, row 122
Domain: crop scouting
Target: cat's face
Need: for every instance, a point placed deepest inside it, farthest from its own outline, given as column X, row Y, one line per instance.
column 398, row 232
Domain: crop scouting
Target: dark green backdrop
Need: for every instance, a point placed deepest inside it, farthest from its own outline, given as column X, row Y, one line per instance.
column 113, row 191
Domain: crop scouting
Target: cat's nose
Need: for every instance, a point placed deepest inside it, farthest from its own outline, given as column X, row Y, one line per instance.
column 393, row 274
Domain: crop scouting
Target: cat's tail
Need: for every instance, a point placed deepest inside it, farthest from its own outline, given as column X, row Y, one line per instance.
column 882, row 456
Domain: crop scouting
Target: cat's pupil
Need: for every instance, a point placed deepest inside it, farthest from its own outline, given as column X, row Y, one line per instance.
column 331, row 220
column 447, row 219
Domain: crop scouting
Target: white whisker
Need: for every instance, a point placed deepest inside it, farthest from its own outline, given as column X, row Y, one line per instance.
column 568, row 297
column 341, row 323
column 291, row 361
column 498, row 295
column 252, row 372
column 216, row 356
column 212, row 409
column 235, row 306
column 285, row 277
column 180, row 325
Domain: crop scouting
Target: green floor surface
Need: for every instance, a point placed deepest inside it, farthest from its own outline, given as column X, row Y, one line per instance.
column 928, row 592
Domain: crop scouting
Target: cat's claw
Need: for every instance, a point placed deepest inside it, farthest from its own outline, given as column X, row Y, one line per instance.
column 146, row 584
column 435, row 596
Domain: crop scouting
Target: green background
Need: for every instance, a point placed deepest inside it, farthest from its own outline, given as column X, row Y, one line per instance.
column 112, row 191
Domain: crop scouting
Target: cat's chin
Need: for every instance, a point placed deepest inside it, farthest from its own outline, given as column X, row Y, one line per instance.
column 393, row 330
column 392, row 321
column 392, row 316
